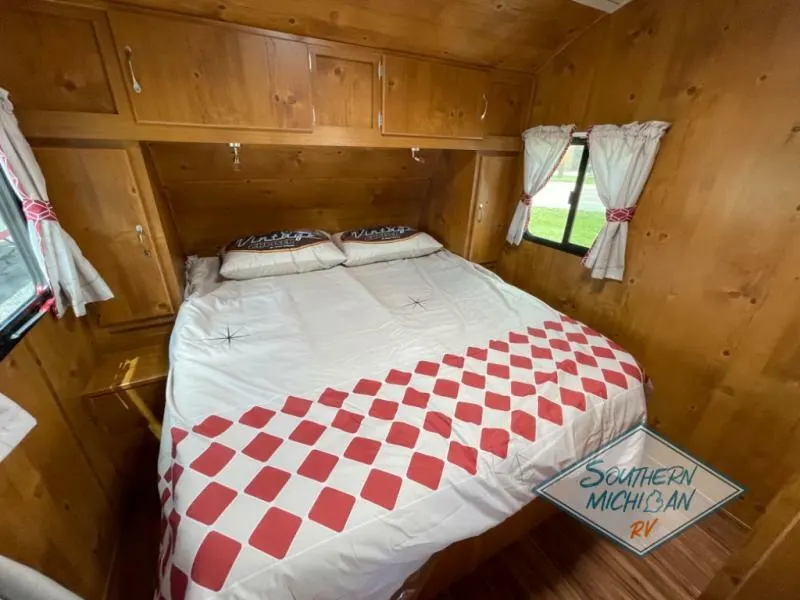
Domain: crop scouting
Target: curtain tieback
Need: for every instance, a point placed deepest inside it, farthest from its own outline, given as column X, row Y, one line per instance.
column 527, row 199
column 37, row 210
column 620, row 215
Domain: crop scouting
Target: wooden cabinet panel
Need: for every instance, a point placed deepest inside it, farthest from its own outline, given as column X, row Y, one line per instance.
column 424, row 97
column 124, row 431
column 55, row 516
column 99, row 202
column 346, row 91
column 495, row 186
column 449, row 211
column 207, row 221
column 177, row 164
column 53, row 60
column 285, row 187
column 213, row 75
column 509, row 101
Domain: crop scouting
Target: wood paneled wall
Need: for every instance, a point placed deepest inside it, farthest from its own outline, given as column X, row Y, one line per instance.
column 766, row 564
column 712, row 286
column 286, row 187
column 517, row 34
column 58, row 506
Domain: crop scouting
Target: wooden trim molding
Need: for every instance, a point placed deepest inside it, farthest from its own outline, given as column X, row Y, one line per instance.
column 82, row 126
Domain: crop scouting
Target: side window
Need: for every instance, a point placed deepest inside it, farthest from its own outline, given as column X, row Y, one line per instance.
column 567, row 213
column 22, row 285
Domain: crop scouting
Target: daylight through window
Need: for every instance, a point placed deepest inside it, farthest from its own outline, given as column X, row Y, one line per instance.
column 567, row 213
column 20, row 276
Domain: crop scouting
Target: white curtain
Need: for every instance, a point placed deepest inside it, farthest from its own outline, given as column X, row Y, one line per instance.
column 622, row 157
column 72, row 279
column 544, row 148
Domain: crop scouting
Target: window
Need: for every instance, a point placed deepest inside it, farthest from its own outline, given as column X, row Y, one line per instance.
column 21, row 279
column 567, row 213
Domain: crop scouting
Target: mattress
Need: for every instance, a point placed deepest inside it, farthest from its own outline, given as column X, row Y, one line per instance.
column 325, row 433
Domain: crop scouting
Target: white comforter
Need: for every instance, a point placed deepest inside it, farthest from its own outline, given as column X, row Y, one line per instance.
column 326, row 433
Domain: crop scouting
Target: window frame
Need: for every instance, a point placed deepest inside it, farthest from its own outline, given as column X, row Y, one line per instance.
column 28, row 314
column 574, row 200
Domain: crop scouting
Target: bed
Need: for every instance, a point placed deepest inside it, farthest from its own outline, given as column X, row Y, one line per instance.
column 325, row 433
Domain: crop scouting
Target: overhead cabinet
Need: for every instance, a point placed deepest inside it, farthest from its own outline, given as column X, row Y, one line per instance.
column 430, row 98
column 103, row 72
column 184, row 72
column 57, row 63
column 346, row 89
column 509, row 103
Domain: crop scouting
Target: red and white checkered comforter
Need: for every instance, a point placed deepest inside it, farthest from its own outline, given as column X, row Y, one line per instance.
column 326, row 433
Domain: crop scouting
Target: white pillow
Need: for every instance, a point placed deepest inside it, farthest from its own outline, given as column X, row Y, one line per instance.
column 202, row 275
column 376, row 244
column 279, row 253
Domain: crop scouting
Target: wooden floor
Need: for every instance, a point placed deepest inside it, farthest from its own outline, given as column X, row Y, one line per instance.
column 564, row 560
column 560, row 560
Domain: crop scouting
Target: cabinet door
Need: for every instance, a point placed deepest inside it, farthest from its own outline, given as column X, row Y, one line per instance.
column 346, row 90
column 182, row 72
column 428, row 98
column 54, row 58
column 125, row 437
column 509, row 101
column 493, row 199
column 98, row 201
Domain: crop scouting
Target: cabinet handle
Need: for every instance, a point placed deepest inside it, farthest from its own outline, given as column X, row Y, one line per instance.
column 137, row 89
column 485, row 107
column 140, row 236
column 481, row 206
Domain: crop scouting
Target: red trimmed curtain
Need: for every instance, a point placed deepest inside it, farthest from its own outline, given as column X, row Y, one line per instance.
column 73, row 280
column 622, row 158
column 544, row 148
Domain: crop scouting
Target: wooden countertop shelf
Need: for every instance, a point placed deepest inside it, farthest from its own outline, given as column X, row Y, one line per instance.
column 129, row 368
column 122, row 374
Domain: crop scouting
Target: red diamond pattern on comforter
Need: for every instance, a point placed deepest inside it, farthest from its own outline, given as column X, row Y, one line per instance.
column 245, row 491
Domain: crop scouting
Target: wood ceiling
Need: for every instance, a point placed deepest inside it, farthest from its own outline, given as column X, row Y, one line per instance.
column 515, row 34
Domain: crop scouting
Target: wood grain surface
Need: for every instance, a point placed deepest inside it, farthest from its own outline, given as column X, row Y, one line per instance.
column 710, row 299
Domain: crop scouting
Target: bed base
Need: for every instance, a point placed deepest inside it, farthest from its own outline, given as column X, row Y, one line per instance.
column 457, row 560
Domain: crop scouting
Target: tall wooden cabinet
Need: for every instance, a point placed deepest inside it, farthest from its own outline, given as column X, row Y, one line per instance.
column 495, row 184
column 470, row 203
column 191, row 73
column 104, row 201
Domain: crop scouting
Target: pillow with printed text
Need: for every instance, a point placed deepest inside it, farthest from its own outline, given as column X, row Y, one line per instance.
column 378, row 244
column 279, row 253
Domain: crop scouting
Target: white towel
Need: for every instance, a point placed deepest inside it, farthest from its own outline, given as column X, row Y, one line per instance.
column 15, row 424
column 18, row 582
